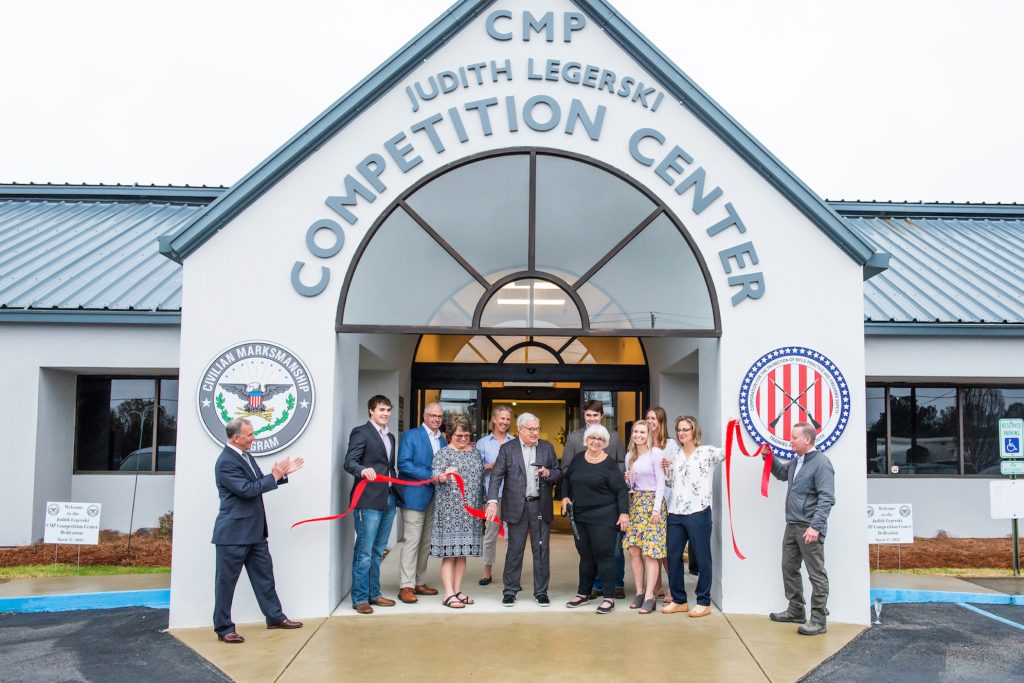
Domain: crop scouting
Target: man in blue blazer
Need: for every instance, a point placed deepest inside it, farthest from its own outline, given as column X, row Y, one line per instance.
column 371, row 451
column 240, row 532
column 416, row 463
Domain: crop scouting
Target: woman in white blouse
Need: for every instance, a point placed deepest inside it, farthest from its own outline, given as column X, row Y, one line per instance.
column 689, row 515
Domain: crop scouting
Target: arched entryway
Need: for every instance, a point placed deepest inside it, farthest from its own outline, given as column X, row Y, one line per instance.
column 528, row 240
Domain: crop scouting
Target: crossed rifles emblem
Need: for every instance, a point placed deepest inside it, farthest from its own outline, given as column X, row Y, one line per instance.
column 794, row 402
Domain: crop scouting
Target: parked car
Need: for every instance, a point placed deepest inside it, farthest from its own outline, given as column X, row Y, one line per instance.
column 142, row 460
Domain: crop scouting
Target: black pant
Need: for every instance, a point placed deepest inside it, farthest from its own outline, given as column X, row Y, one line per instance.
column 596, row 546
column 260, row 568
column 695, row 529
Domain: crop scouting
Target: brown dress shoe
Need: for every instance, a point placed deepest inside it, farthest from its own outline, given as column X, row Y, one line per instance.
column 383, row 602
column 674, row 607
column 287, row 623
column 407, row 595
column 232, row 638
column 424, row 589
column 363, row 608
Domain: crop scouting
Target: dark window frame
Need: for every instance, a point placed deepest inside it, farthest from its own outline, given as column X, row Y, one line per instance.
column 154, row 432
column 958, row 387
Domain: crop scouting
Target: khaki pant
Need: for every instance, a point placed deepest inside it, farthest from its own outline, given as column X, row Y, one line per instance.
column 416, row 548
column 491, row 540
column 812, row 555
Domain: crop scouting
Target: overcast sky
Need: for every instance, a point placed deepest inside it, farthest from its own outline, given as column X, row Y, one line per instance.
column 862, row 99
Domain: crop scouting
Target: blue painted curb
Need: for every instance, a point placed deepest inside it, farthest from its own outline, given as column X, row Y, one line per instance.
column 159, row 598
column 897, row 595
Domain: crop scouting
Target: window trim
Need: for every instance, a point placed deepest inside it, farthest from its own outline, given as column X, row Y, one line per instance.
column 958, row 387
column 157, row 378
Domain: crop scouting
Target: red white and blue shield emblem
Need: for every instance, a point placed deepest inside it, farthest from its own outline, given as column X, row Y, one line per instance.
column 790, row 385
column 255, row 399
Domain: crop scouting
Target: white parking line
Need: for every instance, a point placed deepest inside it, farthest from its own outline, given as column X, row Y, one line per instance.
column 991, row 616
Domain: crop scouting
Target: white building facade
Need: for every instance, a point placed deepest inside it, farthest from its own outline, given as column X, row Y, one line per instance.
column 528, row 204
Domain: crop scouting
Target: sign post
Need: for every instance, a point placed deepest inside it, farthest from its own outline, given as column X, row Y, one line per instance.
column 73, row 524
column 891, row 524
column 1011, row 448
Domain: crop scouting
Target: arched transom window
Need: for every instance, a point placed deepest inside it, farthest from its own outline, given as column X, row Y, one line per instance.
column 526, row 240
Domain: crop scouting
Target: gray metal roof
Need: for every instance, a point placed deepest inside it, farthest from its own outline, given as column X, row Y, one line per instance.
column 94, row 249
column 951, row 263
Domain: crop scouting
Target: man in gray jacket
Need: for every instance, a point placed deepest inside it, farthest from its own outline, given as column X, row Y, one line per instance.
column 809, row 499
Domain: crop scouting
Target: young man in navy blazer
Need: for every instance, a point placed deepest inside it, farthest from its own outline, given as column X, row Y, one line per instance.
column 240, row 532
column 416, row 463
column 371, row 451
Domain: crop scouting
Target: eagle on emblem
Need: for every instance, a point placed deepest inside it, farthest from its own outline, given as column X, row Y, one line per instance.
column 254, row 394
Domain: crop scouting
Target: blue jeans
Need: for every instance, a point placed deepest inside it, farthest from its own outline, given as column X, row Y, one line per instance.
column 694, row 529
column 620, row 566
column 372, row 530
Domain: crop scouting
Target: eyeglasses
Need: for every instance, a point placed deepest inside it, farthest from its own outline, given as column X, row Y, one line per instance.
column 530, row 429
column 434, row 415
column 460, row 435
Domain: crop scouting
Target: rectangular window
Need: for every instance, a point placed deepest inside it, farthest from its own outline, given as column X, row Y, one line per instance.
column 877, row 431
column 983, row 408
column 121, row 421
column 945, row 430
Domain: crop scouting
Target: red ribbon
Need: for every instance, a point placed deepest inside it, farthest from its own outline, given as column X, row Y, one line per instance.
column 732, row 432
column 361, row 486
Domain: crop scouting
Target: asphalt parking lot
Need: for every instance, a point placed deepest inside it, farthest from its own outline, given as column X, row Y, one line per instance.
column 125, row 644
column 933, row 642
column 916, row 642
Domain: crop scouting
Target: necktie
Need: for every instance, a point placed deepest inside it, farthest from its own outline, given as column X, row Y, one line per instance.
column 252, row 464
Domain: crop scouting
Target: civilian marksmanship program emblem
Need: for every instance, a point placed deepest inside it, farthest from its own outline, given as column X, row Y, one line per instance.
column 790, row 385
column 262, row 382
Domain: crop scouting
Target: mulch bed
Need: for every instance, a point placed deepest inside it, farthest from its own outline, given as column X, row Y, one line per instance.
column 925, row 553
column 148, row 550
column 154, row 550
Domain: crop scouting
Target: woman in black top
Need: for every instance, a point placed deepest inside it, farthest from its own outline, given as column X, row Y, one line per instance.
column 596, row 492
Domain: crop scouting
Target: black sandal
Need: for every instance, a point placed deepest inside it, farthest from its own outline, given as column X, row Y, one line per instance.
column 578, row 601
column 464, row 599
column 602, row 609
column 637, row 603
column 453, row 599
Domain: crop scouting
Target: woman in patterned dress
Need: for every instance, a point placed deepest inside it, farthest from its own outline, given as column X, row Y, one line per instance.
column 689, row 515
column 645, row 536
column 456, row 535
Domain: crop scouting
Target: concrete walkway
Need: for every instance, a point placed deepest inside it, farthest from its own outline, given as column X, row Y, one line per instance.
column 430, row 642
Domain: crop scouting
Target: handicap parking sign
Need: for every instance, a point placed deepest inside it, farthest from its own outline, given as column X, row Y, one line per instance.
column 1011, row 436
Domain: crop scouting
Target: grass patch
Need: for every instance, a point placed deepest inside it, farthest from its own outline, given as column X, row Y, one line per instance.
column 950, row 571
column 33, row 571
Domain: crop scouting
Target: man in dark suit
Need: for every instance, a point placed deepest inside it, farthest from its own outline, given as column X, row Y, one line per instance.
column 240, row 532
column 527, row 467
column 416, row 463
column 371, row 451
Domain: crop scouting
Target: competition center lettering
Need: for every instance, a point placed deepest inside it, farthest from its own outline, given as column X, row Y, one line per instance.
column 451, row 126
column 261, row 351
